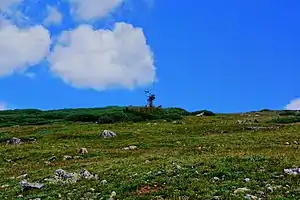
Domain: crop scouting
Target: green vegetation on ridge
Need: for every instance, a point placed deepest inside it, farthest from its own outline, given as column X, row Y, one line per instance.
column 111, row 114
column 205, row 157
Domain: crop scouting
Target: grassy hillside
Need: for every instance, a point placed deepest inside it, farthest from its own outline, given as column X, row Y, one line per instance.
column 110, row 114
column 229, row 156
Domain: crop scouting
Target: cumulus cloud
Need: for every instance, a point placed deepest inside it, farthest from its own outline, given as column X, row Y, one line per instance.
column 5, row 4
column 92, row 9
column 101, row 59
column 30, row 75
column 293, row 105
column 21, row 48
column 54, row 16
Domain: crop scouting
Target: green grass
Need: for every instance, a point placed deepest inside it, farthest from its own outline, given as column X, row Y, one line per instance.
column 228, row 151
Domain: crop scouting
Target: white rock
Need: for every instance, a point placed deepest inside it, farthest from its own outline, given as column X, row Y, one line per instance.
column 241, row 190
column 27, row 185
column 66, row 157
column 22, row 176
column 108, row 134
column 250, row 197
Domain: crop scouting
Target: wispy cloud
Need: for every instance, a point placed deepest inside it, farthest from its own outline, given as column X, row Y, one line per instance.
column 54, row 16
column 92, row 9
column 3, row 106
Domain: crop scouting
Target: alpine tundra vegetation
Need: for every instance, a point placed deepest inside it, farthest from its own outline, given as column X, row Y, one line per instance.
column 250, row 155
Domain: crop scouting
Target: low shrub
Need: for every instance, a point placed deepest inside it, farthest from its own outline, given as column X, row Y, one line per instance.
column 107, row 115
column 286, row 120
column 288, row 113
column 265, row 110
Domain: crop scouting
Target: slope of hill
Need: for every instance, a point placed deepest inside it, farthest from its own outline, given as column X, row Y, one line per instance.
column 110, row 114
column 233, row 156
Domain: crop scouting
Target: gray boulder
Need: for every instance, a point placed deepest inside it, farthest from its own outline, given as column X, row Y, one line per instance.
column 14, row 141
column 61, row 176
column 27, row 185
column 108, row 134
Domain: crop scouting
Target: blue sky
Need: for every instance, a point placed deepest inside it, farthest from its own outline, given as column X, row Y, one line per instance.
column 225, row 56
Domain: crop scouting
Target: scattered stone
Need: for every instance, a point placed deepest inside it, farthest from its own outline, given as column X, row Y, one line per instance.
column 47, row 163
column 130, row 148
column 4, row 186
column 14, row 141
column 260, row 192
column 247, row 121
column 31, row 139
column 251, row 197
column 83, row 151
column 66, row 157
column 276, row 175
column 51, row 159
column 261, row 169
column 270, row 189
column 216, row 198
column 92, row 189
column 23, row 176
column 27, row 185
column 216, row 178
column 287, row 143
column 175, row 166
column 86, row 174
column 247, row 180
column 241, row 190
column 292, row 171
column 158, row 173
column 295, row 142
column 113, row 194
column 147, row 161
column 103, row 182
column 108, row 134
column 200, row 114
column 61, row 176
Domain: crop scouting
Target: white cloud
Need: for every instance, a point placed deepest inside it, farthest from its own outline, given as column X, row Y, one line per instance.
column 101, row 59
column 20, row 48
column 54, row 16
column 293, row 105
column 92, row 9
column 30, row 75
column 3, row 106
column 5, row 4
